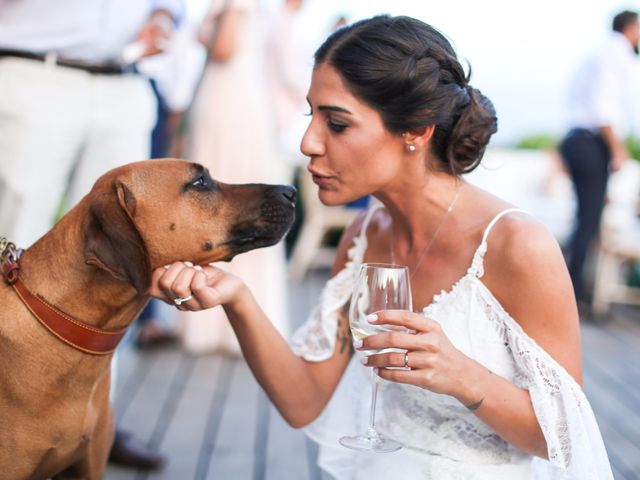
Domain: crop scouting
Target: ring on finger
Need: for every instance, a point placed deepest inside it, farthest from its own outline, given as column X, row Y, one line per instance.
column 180, row 300
column 406, row 360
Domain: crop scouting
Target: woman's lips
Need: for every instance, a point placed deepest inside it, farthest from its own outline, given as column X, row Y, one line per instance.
column 321, row 180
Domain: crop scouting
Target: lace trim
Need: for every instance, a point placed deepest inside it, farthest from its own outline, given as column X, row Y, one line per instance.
column 573, row 439
column 315, row 340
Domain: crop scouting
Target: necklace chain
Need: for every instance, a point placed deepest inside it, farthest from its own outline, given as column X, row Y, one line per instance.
column 431, row 240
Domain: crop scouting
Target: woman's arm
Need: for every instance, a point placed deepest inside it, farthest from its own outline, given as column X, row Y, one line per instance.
column 525, row 270
column 299, row 389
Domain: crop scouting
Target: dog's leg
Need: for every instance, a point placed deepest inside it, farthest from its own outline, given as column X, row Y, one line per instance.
column 97, row 443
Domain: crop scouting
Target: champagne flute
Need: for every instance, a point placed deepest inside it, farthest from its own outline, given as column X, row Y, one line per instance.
column 379, row 287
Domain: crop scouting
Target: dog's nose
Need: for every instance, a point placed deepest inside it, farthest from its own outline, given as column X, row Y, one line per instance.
column 286, row 191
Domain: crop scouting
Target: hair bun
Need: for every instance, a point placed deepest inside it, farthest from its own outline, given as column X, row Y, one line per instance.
column 471, row 133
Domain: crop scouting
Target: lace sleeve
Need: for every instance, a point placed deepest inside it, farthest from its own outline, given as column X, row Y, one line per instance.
column 316, row 338
column 574, row 444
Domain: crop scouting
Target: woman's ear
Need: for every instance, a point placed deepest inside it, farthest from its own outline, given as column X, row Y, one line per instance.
column 418, row 139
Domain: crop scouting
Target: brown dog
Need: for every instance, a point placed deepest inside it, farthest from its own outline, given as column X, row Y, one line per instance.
column 96, row 265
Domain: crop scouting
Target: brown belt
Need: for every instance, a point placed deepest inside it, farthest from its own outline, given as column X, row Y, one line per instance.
column 93, row 68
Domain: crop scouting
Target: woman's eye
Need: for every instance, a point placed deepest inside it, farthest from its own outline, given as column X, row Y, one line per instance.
column 337, row 127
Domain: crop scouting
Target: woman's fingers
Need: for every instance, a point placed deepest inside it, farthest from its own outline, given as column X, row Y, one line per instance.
column 163, row 278
column 179, row 281
column 406, row 367
column 403, row 318
column 183, row 291
column 400, row 376
column 197, row 287
column 155, row 290
column 393, row 339
column 405, row 359
column 387, row 359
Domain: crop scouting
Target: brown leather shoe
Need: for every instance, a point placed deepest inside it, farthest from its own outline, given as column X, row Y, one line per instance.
column 128, row 451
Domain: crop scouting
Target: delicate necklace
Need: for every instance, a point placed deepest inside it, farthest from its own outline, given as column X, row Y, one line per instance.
column 431, row 240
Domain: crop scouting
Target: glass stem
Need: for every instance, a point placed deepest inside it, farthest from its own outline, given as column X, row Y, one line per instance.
column 371, row 432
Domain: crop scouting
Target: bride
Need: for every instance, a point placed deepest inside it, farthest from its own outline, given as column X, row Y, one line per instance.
column 491, row 384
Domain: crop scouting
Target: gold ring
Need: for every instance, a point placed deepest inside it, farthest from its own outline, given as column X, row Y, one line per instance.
column 406, row 360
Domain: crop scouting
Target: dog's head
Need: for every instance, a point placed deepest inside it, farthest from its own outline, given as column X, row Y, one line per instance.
column 148, row 214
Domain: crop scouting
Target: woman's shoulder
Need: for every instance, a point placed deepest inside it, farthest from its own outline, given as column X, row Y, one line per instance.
column 520, row 239
column 526, row 272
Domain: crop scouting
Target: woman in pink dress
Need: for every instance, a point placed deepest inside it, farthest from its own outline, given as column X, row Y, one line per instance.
column 231, row 136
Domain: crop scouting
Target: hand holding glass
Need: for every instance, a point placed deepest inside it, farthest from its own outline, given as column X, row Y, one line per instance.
column 379, row 287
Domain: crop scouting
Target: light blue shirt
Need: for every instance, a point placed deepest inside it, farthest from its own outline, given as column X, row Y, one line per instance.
column 89, row 30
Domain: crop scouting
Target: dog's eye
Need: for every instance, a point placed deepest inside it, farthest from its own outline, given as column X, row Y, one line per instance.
column 200, row 183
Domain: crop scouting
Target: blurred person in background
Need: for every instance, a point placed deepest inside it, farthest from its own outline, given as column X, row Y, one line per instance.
column 72, row 107
column 599, row 112
column 287, row 72
column 287, row 77
column 174, row 74
column 231, row 133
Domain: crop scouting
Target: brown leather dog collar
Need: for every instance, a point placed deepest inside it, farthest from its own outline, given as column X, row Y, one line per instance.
column 77, row 334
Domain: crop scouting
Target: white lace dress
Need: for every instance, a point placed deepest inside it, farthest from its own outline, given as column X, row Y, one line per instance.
column 443, row 440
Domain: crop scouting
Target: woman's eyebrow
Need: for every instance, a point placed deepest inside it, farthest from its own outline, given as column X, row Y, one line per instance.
column 334, row 108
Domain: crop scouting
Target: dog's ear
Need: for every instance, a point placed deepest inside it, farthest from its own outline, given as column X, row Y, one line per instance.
column 112, row 241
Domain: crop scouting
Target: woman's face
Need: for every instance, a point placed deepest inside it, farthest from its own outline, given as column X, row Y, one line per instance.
column 351, row 153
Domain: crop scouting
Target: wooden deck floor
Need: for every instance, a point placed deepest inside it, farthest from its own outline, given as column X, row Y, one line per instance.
column 210, row 418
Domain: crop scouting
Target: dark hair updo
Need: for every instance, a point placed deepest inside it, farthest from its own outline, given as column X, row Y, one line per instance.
column 408, row 72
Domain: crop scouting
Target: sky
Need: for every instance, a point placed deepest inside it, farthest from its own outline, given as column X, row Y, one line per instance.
column 522, row 54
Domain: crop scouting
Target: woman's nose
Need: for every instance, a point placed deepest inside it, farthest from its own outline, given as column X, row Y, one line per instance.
column 312, row 144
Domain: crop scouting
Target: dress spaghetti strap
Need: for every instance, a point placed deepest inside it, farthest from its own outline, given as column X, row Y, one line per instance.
column 365, row 224
column 477, row 265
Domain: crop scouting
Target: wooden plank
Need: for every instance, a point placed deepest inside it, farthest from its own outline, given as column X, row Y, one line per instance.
column 286, row 459
column 144, row 408
column 233, row 455
column 312, row 451
column 214, row 416
column 612, row 364
column 132, row 370
column 263, row 414
column 169, row 405
column 623, row 455
column 186, row 430
column 138, row 406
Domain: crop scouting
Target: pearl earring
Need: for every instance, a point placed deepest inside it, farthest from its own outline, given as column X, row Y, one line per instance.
column 411, row 148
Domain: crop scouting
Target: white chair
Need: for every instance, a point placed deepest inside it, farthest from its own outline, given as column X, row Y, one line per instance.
column 318, row 220
column 619, row 242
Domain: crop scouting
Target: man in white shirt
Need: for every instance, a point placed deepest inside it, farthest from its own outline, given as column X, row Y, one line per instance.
column 71, row 108
column 599, row 112
column 70, row 101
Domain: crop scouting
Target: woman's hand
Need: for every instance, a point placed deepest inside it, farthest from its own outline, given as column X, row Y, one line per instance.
column 431, row 359
column 190, row 287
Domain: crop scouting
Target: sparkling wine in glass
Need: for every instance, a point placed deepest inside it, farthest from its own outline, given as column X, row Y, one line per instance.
column 378, row 287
